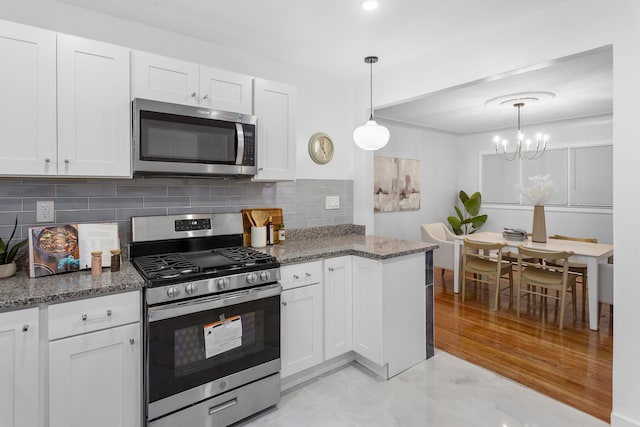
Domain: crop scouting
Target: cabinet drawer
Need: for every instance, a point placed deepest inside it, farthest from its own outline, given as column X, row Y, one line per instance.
column 92, row 314
column 296, row 275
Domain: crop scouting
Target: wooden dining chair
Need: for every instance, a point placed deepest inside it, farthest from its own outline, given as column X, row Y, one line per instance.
column 485, row 260
column 549, row 272
column 578, row 268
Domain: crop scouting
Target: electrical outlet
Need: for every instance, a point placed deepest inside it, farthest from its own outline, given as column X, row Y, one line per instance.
column 44, row 211
column 332, row 202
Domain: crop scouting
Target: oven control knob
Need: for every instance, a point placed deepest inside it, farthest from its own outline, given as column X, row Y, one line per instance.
column 223, row 284
column 265, row 276
column 252, row 277
column 173, row 292
column 191, row 288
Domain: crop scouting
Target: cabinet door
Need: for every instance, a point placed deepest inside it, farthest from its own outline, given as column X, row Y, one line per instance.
column 338, row 306
column 95, row 378
column 19, row 368
column 367, row 309
column 274, row 104
column 94, row 119
column 28, row 100
column 301, row 329
column 225, row 90
column 165, row 79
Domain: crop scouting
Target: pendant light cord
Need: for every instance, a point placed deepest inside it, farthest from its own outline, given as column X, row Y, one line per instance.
column 371, row 89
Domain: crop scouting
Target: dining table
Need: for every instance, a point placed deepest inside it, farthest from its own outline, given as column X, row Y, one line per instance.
column 590, row 254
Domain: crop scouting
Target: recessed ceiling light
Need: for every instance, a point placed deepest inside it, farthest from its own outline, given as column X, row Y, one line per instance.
column 369, row 4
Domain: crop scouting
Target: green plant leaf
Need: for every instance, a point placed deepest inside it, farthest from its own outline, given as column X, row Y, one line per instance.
column 14, row 251
column 463, row 196
column 472, row 204
column 459, row 212
column 479, row 221
column 455, row 224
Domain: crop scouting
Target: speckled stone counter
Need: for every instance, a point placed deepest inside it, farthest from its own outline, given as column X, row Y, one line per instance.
column 22, row 291
column 352, row 244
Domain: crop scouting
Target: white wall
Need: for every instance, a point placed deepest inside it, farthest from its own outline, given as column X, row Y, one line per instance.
column 438, row 178
column 596, row 223
column 567, row 28
column 325, row 104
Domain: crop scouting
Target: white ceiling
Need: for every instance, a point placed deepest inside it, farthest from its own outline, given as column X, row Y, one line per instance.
column 334, row 36
column 582, row 84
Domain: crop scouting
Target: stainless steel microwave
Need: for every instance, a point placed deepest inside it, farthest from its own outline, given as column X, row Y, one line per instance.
column 173, row 139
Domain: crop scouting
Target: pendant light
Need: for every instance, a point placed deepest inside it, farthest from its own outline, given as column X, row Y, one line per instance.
column 371, row 136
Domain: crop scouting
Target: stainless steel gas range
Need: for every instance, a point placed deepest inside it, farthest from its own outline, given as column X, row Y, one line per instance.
column 212, row 320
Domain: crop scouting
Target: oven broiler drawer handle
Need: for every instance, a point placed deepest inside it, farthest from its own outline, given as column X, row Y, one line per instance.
column 221, row 407
column 85, row 316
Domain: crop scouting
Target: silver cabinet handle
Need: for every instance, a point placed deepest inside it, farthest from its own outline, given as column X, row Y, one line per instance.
column 330, row 269
column 205, row 97
column 66, row 161
column 284, row 303
column 260, row 169
column 193, row 94
column 307, row 274
column 25, row 328
column 47, row 160
column 86, row 317
column 296, row 277
column 131, row 341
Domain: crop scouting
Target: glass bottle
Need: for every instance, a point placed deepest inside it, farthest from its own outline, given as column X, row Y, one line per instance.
column 96, row 263
column 115, row 260
column 281, row 234
column 270, row 231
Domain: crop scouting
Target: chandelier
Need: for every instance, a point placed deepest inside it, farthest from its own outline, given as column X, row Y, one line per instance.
column 524, row 148
column 371, row 136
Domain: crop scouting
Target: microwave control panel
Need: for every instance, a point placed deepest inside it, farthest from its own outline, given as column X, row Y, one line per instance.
column 249, row 156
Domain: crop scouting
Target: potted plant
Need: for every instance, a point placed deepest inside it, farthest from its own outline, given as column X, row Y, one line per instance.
column 8, row 254
column 469, row 221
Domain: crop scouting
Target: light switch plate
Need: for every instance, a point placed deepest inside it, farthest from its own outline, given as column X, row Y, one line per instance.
column 45, row 211
column 332, row 202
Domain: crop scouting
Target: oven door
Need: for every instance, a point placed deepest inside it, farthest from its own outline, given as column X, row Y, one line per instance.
column 200, row 348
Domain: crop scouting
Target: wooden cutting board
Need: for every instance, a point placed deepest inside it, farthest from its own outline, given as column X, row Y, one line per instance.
column 276, row 213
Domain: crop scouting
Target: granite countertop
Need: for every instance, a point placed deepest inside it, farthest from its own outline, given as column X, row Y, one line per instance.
column 373, row 247
column 22, row 291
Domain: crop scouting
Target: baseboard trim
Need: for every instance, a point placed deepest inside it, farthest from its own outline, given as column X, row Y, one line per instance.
column 620, row 421
column 315, row 371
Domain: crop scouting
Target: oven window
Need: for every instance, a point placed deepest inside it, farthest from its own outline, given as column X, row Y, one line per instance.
column 173, row 138
column 194, row 349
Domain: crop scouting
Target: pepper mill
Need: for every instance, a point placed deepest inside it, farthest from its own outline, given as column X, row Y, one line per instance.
column 96, row 263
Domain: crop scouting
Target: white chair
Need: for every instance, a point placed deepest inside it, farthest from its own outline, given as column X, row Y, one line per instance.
column 439, row 234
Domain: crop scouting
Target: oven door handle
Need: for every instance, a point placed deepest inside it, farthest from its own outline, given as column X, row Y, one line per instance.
column 209, row 303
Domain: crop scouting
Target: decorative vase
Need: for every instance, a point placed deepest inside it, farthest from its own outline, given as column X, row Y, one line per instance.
column 7, row 270
column 539, row 229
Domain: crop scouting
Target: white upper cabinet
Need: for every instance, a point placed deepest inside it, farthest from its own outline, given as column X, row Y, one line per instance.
column 82, row 128
column 27, row 100
column 274, row 104
column 94, row 119
column 171, row 80
column 224, row 90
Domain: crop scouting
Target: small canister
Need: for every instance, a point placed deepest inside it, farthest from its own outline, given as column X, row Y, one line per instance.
column 96, row 262
column 115, row 260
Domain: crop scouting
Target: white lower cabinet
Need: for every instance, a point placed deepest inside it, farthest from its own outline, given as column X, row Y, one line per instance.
column 389, row 311
column 338, row 306
column 301, row 331
column 19, row 368
column 367, row 308
column 95, row 377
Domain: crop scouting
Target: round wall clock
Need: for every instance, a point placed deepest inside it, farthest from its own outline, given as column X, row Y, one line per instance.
column 321, row 148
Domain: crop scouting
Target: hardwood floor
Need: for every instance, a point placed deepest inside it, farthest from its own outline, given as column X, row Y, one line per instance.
column 573, row 365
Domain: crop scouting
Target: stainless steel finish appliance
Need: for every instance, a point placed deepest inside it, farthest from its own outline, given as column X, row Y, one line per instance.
column 212, row 320
column 179, row 139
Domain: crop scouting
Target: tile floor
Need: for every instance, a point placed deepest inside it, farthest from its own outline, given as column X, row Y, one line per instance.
column 442, row 391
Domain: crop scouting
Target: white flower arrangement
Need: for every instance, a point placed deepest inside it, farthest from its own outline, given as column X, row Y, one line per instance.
column 540, row 190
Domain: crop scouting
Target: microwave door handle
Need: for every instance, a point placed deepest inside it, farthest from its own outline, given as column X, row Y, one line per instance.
column 240, row 134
